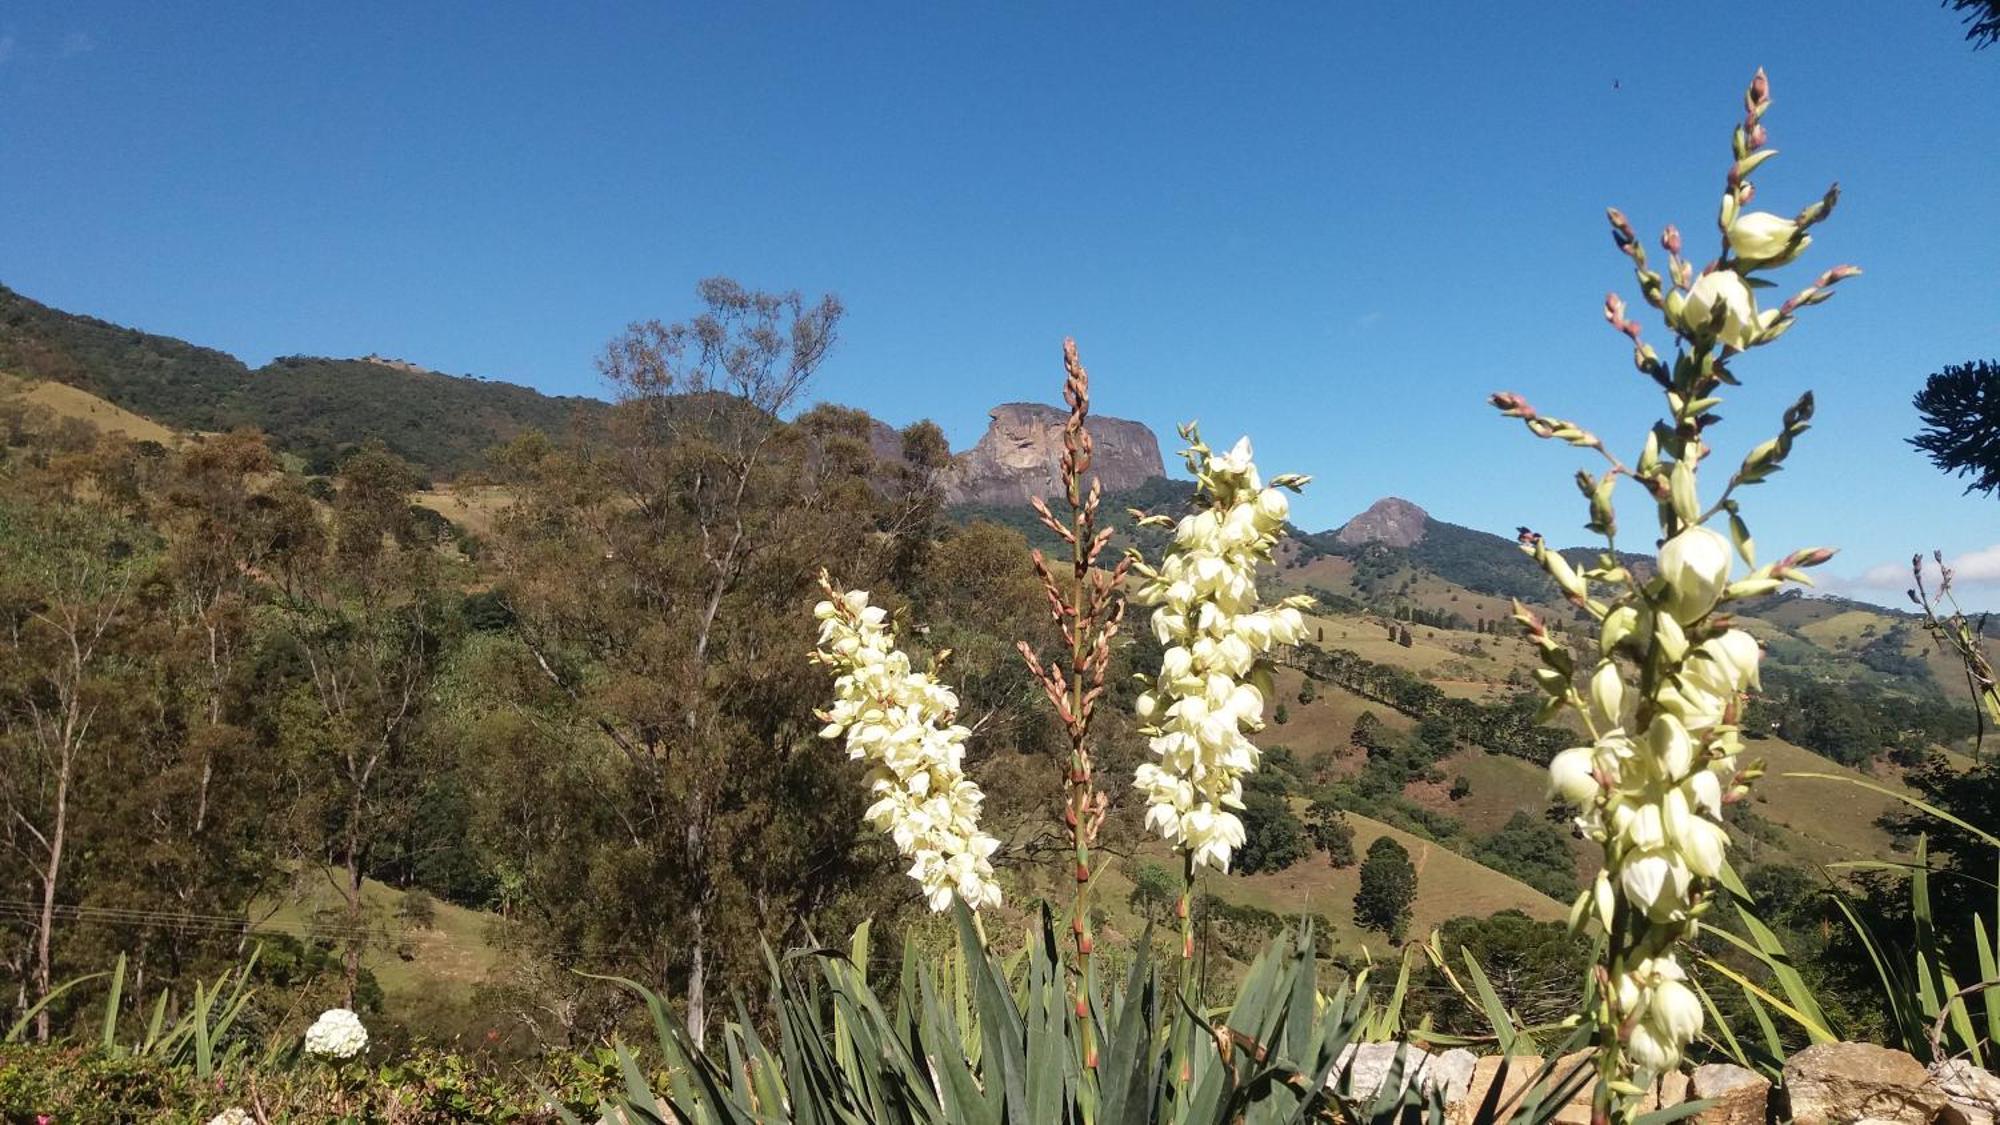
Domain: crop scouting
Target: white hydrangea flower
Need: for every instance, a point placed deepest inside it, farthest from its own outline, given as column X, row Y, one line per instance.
column 1212, row 681
column 234, row 1115
column 336, row 1034
column 899, row 721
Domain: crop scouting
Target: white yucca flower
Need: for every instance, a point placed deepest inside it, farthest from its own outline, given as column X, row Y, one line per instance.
column 1209, row 693
column 336, row 1034
column 899, row 721
column 1653, row 798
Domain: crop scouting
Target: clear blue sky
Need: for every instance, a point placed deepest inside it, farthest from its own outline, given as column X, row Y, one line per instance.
column 1336, row 227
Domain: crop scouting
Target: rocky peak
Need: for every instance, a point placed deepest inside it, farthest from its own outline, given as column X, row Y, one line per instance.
column 1391, row 520
column 1019, row 456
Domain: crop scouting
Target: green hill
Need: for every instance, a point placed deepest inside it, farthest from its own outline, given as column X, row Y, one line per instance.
column 314, row 408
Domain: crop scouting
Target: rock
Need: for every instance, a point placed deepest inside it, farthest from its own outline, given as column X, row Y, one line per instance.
column 1451, row 1072
column 1391, row 520
column 1974, row 1093
column 885, row 441
column 1740, row 1095
column 1577, row 1110
column 1520, row 1073
column 1845, row 1083
column 1017, row 459
column 1364, row 1067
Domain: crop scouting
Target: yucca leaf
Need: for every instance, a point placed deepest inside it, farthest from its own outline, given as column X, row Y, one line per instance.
column 1000, row 1026
column 1985, row 836
column 1897, row 989
column 1988, row 971
column 1126, row 1073
column 27, row 1017
column 1680, row 1112
column 109, row 1042
column 1771, row 952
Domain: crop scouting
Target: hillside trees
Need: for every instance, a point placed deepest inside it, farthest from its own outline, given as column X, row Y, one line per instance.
column 67, row 576
column 659, row 581
column 361, row 622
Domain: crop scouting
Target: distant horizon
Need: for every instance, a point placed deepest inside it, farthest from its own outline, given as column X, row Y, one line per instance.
column 1167, row 461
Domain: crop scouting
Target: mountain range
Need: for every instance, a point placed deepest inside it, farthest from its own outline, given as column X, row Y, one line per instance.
column 1410, row 625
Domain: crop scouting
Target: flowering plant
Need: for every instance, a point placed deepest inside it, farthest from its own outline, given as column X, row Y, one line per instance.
column 336, row 1034
column 1663, row 695
column 1214, row 673
column 1213, row 676
column 899, row 721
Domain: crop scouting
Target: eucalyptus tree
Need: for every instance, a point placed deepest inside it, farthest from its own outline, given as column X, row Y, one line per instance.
column 657, row 578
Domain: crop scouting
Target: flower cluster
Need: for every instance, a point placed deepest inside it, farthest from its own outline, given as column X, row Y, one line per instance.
column 1662, row 758
column 899, row 721
column 1213, row 678
column 336, row 1034
column 234, row 1115
column 1654, row 795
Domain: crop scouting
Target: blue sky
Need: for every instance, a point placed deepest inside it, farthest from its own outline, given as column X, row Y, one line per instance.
column 1333, row 227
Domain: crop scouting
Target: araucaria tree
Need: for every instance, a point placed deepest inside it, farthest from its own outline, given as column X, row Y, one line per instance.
column 1662, row 699
column 1960, row 406
column 1388, row 888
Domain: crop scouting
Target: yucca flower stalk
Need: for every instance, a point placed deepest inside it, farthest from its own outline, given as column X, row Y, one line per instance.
column 1215, row 672
column 900, row 722
column 1087, row 610
column 1662, row 700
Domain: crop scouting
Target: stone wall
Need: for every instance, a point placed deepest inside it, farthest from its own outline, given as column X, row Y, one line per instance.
column 1826, row 1084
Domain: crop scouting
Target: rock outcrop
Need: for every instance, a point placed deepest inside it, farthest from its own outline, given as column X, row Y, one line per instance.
column 1017, row 458
column 1390, row 520
column 1840, row 1083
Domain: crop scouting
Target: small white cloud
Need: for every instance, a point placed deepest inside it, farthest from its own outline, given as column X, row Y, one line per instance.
column 1974, row 568
column 77, row 43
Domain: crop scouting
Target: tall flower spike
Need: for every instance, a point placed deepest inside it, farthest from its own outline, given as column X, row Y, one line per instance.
column 899, row 721
column 1213, row 676
column 1664, row 697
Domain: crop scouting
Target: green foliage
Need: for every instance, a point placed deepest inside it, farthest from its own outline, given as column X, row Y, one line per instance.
column 1329, row 830
column 1853, row 723
column 1506, row 728
column 1272, row 836
column 426, row 1086
column 1961, row 412
column 1011, row 1051
column 1533, row 967
column 1534, row 851
column 1155, row 892
column 1388, row 888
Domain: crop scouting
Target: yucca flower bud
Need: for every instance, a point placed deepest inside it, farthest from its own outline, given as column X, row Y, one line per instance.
column 1765, row 239
column 1694, row 565
column 1723, row 292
